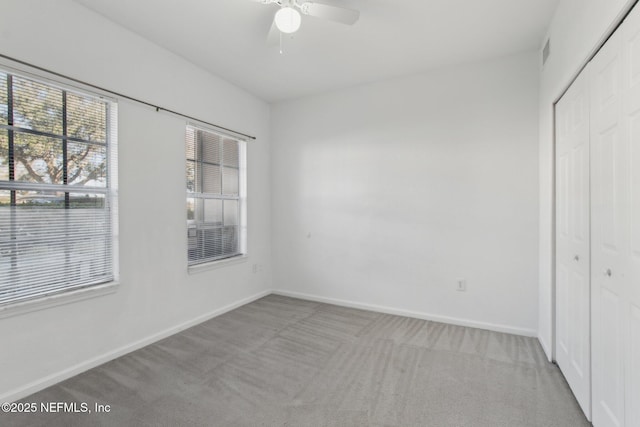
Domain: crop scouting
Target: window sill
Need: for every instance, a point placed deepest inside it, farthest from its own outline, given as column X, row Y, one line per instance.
column 58, row 299
column 199, row 268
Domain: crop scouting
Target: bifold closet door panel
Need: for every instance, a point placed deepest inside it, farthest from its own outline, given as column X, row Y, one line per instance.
column 572, row 241
column 609, row 189
column 631, row 110
column 612, row 81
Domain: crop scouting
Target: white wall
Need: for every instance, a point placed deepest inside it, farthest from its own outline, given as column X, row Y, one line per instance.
column 385, row 194
column 577, row 29
column 156, row 294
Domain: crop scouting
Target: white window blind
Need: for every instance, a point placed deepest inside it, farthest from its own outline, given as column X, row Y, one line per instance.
column 215, row 196
column 57, row 189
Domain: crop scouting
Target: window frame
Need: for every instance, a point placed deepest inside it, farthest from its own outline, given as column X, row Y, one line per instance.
column 192, row 224
column 72, row 293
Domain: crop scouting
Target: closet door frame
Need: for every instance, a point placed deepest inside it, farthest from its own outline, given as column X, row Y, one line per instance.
column 563, row 89
column 614, row 83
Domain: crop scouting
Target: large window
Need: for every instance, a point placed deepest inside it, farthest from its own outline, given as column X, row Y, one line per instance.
column 57, row 189
column 215, row 196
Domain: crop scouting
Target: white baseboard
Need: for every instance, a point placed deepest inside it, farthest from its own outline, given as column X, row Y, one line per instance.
column 55, row 378
column 414, row 314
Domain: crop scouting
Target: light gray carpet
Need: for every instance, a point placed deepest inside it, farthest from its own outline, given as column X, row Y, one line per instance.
column 286, row 362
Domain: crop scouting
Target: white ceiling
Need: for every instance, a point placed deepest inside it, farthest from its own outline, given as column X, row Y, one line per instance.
column 392, row 38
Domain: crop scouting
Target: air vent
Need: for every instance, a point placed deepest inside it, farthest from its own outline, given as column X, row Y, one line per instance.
column 545, row 52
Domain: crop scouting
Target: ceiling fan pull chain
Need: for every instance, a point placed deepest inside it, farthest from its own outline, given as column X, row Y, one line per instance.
column 280, row 33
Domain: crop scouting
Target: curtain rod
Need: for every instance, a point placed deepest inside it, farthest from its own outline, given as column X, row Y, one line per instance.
column 119, row 95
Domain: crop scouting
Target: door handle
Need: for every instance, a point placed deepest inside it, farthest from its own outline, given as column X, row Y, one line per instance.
column 608, row 272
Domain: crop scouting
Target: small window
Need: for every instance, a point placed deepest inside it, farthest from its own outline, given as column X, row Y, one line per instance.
column 57, row 189
column 216, row 225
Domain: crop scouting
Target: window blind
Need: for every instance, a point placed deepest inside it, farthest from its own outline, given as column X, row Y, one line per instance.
column 215, row 195
column 58, row 187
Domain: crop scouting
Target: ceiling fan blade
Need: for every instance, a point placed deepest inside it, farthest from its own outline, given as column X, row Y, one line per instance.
column 332, row 13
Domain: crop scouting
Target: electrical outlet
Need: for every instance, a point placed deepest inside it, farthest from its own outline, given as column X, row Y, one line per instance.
column 461, row 285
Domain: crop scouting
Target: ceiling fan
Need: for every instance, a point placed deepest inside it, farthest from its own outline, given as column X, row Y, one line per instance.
column 288, row 19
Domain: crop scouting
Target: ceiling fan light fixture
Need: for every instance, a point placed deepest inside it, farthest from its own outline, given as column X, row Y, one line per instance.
column 288, row 20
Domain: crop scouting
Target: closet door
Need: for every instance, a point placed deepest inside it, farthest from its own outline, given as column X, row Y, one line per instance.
column 610, row 232
column 572, row 241
column 631, row 273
